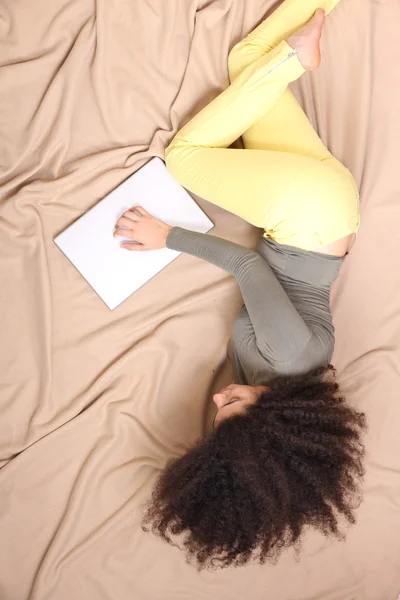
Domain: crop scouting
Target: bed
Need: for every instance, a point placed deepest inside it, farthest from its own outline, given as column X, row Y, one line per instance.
column 93, row 402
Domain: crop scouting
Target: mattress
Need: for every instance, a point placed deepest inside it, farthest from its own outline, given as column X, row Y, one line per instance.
column 94, row 403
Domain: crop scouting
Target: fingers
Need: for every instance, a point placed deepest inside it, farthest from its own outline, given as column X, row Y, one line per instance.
column 140, row 211
column 126, row 225
column 134, row 217
column 126, row 233
column 124, row 222
column 133, row 246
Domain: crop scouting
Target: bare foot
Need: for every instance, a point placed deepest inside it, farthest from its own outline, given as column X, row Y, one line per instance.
column 306, row 41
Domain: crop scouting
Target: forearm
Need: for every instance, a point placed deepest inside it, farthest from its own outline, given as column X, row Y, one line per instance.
column 280, row 331
column 221, row 253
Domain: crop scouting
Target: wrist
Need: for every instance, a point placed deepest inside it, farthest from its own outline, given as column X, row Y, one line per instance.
column 167, row 231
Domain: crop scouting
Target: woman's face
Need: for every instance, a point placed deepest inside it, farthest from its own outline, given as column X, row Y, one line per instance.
column 235, row 399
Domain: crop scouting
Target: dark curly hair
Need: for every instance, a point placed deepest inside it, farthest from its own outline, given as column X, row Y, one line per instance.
column 292, row 460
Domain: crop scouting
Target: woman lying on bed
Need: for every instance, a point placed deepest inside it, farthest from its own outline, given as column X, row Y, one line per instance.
column 285, row 451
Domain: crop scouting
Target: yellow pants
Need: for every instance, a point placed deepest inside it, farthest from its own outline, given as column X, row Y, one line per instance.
column 285, row 180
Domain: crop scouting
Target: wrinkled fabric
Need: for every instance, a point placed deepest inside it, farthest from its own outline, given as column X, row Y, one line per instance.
column 93, row 403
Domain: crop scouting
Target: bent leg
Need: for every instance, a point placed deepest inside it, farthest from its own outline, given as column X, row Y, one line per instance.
column 279, row 185
column 285, row 127
column 198, row 156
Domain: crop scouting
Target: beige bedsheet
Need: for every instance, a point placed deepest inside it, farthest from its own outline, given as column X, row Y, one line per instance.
column 94, row 402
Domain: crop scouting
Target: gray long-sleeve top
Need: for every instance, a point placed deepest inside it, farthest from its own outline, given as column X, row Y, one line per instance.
column 285, row 326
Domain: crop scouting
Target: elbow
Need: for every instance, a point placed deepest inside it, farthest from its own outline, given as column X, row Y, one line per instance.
column 293, row 360
column 317, row 353
column 250, row 259
column 323, row 344
column 248, row 265
column 175, row 158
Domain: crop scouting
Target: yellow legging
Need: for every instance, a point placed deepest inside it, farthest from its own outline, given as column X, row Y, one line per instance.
column 285, row 180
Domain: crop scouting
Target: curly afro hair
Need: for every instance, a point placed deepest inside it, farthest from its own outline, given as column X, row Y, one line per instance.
column 292, row 460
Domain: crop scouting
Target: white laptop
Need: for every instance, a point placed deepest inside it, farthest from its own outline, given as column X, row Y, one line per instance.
column 114, row 273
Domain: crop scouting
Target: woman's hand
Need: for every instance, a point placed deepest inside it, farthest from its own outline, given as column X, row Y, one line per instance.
column 145, row 231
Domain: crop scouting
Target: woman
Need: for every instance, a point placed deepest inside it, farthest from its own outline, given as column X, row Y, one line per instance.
column 285, row 451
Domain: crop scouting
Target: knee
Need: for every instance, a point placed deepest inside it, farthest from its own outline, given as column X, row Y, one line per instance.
column 170, row 157
column 235, row 60
column 173, row 148
column 174, row 158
